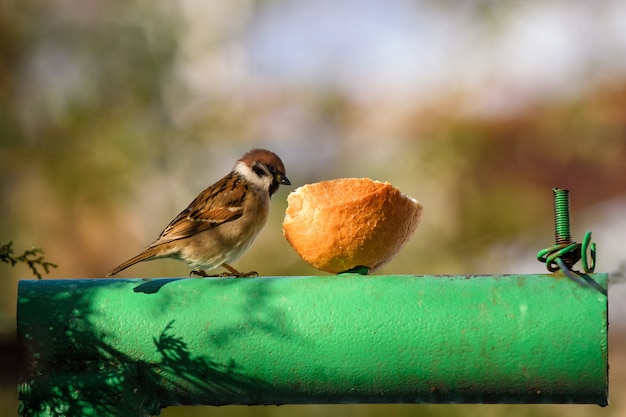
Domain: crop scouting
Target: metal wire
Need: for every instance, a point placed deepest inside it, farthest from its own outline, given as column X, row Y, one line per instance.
column 566, row 252
column 561, row 216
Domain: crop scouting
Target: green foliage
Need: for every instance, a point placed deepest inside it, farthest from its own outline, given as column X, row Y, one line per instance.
column 31, row 257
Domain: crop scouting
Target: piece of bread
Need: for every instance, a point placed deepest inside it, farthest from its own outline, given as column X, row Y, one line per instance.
column 340, row 224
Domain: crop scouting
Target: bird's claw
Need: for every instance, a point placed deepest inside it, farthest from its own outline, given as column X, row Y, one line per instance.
column 200, row 273
column 239, row 274
column 230, row 274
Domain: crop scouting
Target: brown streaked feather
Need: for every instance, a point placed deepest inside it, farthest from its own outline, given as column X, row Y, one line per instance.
column 220, row 203
column 251, row 183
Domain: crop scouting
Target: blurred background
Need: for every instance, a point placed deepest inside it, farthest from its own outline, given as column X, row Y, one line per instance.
column 114, row 115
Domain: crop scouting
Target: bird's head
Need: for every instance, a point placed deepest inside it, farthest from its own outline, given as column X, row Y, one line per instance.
column 263, row 168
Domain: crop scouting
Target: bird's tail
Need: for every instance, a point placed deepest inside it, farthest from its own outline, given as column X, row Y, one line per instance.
column 146, row 255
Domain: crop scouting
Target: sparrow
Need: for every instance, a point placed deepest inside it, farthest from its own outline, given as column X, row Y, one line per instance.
column 221, row 223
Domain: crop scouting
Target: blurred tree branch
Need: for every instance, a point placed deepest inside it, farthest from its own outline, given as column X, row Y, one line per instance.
column 32, row 257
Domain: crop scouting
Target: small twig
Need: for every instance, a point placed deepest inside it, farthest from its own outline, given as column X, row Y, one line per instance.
column 34, row 258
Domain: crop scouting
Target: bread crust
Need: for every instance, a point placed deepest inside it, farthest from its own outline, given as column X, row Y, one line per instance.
column 340, row 224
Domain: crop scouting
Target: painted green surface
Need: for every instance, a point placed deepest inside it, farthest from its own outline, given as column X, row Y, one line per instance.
column 130, row 347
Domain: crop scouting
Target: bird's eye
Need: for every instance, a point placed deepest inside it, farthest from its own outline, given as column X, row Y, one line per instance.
column 272, row 168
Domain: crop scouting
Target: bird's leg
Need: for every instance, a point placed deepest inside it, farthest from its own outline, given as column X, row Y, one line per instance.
column 232, row 272
column 201, row 273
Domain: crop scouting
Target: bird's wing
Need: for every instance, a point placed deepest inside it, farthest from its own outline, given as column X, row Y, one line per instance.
column 220, row 203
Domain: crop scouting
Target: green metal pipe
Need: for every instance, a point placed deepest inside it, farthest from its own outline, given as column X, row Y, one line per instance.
column 121, row 347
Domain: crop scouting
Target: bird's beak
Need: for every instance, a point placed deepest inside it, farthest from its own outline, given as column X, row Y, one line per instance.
column 282, row 179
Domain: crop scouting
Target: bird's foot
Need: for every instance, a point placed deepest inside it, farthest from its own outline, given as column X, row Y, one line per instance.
column 247, row 274
column 201, row 273
column 232, row 272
